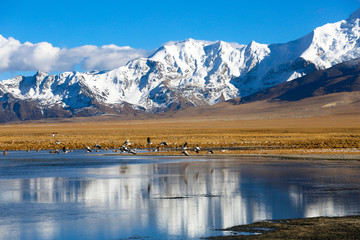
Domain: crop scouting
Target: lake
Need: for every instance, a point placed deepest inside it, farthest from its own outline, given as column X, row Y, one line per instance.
column 82, row 195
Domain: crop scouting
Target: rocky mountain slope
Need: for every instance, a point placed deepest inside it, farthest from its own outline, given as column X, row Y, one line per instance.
column 343, row 77
column 180, row 74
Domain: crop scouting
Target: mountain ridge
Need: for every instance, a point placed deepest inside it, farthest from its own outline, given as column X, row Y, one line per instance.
column 343, row 77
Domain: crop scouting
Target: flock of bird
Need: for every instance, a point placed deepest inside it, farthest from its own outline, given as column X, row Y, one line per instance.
column 125, row 147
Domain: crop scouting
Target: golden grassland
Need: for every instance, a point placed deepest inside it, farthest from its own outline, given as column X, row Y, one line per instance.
column 318, row 135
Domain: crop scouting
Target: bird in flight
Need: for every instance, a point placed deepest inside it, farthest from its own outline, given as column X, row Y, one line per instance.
column 185, row 153
column 197, row 149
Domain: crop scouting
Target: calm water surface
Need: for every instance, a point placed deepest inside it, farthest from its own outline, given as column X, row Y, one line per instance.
column 90, row 196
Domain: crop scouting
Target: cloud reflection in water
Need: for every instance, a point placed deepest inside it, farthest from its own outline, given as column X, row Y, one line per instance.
column 167, row 199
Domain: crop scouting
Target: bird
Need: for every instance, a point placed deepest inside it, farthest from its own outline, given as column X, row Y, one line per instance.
column 123, row 148
column 97, row 146
column 184, row 146
column 57, row 142
column 149, row 141
column 211, row 151
column 163, row 143
column 132, row 151
column 185, row 153
column 88, row 149
column 127, row 142
column 53, row 134
column 5, row 152
column 197, row 149
column 64, row 150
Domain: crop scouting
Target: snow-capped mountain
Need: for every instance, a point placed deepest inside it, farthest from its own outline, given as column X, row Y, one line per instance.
column 189, row 73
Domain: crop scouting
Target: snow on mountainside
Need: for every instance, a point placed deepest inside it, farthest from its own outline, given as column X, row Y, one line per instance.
column 190, row 73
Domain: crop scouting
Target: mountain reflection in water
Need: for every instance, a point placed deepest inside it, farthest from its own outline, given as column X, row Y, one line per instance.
column 169, row 199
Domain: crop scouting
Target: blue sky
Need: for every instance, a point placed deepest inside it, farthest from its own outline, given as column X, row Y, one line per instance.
column 149, row 24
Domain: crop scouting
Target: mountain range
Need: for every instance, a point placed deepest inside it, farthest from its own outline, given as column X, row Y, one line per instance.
column 187, row 73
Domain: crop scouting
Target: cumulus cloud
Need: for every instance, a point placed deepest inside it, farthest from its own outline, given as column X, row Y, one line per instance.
column 16, row 56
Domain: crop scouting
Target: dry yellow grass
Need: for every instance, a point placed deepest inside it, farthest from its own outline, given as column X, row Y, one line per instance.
column 281, row 136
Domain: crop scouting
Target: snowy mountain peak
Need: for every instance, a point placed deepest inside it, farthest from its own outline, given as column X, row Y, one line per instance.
column 335, row 43
column 40, row 74
column 254, row 44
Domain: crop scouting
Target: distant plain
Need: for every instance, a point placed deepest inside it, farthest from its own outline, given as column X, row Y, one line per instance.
column 327, row 124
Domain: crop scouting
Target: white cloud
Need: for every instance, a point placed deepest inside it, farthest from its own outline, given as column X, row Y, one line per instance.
column 16, row 56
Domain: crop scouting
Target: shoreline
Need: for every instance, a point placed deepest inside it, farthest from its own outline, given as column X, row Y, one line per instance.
column 285, row 156
column 329, row 228
column 304, row 155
